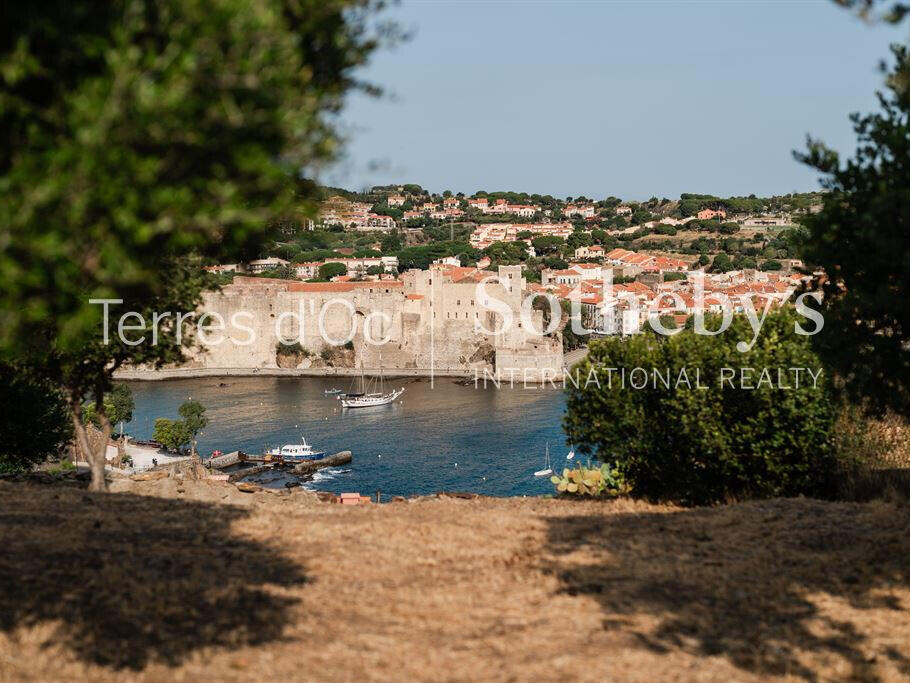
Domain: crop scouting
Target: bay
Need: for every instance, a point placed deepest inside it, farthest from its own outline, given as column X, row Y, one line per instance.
column 440, row 436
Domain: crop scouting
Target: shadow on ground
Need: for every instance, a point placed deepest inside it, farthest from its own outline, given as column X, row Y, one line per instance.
column 134, row 579
column 741, row 581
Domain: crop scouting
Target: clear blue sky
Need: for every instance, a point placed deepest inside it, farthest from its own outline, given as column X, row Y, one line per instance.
column 631, row 99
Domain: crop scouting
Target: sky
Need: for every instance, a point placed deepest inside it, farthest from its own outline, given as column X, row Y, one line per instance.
column 631, row 99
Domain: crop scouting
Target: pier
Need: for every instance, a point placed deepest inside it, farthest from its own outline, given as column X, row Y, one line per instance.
column 246, row 465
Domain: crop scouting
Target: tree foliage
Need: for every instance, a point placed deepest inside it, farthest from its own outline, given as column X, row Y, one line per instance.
column 721, row 264
column 193, row 414
column 332, row 269
column 140, row 130
column 172, row 434
column 702, row 445
column 194, row 419
column 861, row 240
column 118, row 405
column 34, row 420
column 421, row 257
column 506, row 253
column 137, row 133
column 547, row 244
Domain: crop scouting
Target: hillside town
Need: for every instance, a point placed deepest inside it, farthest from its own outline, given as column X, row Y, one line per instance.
column 615, row 265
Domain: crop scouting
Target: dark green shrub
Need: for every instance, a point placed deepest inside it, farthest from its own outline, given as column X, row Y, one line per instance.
column 332, row 269
column 700, row 445
column 34, row 423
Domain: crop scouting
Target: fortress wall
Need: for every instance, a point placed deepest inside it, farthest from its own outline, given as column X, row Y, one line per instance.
column 428, row 322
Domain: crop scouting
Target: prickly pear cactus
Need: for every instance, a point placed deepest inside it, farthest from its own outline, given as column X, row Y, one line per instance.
column 585, row 481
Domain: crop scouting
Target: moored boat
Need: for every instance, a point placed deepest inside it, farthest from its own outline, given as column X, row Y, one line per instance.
column 368, row 400
column 547, row 467
column 296, row 452
column 362, row 399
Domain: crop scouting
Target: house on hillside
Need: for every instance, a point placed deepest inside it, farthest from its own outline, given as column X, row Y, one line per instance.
column 708, row 214
column 263, row 264
column 580, row 211
column 594, row 251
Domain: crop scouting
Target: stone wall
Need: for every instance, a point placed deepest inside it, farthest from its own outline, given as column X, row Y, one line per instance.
column 434, row 320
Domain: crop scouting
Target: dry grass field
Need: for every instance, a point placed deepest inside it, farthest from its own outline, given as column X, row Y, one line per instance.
column 205, row 583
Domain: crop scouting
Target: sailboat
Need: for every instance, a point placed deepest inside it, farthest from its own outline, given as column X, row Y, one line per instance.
column 547, row 468
column 362, row 399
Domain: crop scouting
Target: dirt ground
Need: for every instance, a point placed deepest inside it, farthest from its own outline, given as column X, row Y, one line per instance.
column 212, row 584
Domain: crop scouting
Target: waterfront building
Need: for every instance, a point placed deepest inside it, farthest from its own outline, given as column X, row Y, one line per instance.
column 429, row 319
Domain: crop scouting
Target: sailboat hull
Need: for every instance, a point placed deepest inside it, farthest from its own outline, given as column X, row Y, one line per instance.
column 370, row 400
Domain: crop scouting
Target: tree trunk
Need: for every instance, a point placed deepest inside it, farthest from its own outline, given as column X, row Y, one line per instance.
column 94, row 457
column 99, row 483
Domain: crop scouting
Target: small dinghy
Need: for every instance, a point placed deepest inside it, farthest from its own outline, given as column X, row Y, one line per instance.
column 547, row 467
column 333, row 391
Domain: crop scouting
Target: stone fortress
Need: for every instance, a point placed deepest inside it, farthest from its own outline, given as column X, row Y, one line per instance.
column 426, row 322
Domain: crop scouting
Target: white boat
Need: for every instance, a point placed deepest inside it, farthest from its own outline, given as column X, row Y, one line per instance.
column 364, row 399
column 367, row 400
column 547, row 467
column 333, row 391
column 296, row 451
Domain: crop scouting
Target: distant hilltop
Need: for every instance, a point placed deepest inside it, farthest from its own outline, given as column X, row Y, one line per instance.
column 384, row 208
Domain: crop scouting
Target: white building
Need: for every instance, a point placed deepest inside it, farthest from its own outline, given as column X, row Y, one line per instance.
column 263, row 264
column 307, row 271
column 594, row 251
column 582, row 211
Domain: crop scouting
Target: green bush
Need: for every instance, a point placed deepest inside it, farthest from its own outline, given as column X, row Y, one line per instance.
column 63, row 467
column 34, row 422
column 696, row 445
column 289, row 349
column 333, row 269
column 172, row 434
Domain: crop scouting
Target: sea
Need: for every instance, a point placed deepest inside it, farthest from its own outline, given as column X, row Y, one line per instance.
column 442, row 435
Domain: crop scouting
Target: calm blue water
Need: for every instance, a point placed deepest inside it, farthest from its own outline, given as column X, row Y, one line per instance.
column 449, row 437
